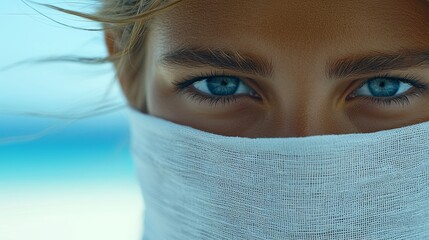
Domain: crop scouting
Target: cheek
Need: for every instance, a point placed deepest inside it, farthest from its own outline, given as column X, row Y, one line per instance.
column 369, row 118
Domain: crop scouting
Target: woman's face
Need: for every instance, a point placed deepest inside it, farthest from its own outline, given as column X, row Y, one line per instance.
column 287, row 68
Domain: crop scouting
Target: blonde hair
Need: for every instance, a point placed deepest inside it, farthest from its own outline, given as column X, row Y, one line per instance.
column 126, row 21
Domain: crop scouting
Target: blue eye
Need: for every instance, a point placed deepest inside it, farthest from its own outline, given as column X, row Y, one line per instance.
column 383, row 87
column 216, row 88
column 387, row 89
column 222, row 86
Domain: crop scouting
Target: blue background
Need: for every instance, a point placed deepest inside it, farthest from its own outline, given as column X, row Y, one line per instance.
column 62, row 175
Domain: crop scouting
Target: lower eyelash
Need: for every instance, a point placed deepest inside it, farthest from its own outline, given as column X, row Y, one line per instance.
column 212, row 100
column 399, row 100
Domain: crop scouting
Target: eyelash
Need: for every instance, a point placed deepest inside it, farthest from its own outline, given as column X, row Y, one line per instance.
column 418, row 88
column 183, row 86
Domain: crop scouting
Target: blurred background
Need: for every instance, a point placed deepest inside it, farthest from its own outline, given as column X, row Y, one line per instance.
column 64, row 175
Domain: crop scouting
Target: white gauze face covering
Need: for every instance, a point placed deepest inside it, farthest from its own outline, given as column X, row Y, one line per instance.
column 198, row 185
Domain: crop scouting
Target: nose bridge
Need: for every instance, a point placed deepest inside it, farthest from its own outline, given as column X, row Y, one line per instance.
column 315, row 117
column 308, row 109
column 305, row 103
column 308, row 119
column 310, row 116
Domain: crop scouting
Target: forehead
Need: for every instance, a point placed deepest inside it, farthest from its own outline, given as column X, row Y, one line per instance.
column 290, row 26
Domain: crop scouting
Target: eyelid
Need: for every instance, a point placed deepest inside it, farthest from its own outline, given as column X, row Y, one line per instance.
column 191, row 79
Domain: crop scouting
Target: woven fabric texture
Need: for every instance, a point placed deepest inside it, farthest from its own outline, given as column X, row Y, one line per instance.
column 198, row 185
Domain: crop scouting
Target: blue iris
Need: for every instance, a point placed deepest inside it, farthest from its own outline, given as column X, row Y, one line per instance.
column 383, row 87
column 222, row 86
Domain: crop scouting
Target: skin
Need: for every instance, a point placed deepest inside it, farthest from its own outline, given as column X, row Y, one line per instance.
column 300, row 38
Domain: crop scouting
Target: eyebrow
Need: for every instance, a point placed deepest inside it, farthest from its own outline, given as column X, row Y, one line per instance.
column 376, row 62
column 245, row 62
column 219, row 58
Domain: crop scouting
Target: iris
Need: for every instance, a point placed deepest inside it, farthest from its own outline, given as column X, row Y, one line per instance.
column 383, row 87
column 222, row 86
